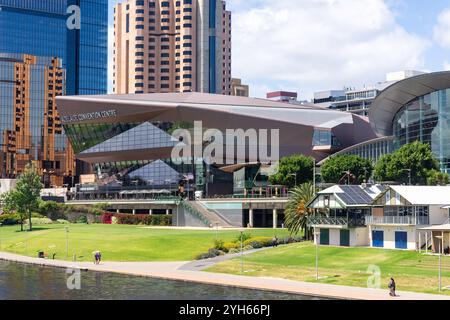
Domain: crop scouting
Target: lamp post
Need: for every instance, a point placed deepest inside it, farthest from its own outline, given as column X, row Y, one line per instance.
column 1, row 224
column 317, row 238
column 242, row 251
column 67, row 242
column 441, row 238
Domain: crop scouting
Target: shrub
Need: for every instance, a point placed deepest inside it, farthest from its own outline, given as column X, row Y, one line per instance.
column 219, row 245
column 245, row 237
column 62, row 221
column 107, row 218
column 82, row 219
column 230, row 246
column 212, row 253
column 248, row 247
column 114, row 220
column 143, row 219
column 9, row 219
column 39, row 221
column 234, row 251
column 259, row 242
column 52, row 210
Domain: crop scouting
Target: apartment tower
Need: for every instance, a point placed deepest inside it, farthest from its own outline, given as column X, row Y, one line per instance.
column 172, row 46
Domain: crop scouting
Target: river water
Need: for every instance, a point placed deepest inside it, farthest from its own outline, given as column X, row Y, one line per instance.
column 29, row 282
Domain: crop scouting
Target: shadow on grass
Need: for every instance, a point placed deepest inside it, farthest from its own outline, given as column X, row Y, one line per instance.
column 35, row 229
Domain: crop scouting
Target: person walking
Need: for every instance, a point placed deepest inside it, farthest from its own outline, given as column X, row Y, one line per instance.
column 391, row 287
column 275, row 241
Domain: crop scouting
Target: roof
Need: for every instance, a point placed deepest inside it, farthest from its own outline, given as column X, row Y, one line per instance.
column 424, row 195
column 387, row 104
column 354, row 195
column 155, row 103
column 442, row 227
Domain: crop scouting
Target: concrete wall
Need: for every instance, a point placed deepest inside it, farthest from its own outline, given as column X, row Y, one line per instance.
column 359, row 237
column 186, row 219
column 389, row 236
column 438, row 215
column 7, row 185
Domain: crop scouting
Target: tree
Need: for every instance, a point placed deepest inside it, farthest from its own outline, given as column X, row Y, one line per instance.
column 438, row 178
column 297, row 212
column 413, row 161
column 12, row 204
column 25, row 197
column 292, row 170
column 333, row 170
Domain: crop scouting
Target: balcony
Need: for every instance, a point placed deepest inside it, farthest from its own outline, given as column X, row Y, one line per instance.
column 336, row 221
column 406, row 220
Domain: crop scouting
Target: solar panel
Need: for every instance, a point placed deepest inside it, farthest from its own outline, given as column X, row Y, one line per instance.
column 354, row 195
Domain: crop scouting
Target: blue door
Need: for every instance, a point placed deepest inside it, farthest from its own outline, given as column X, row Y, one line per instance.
column 378, row 239
column 401, row 240
column 345, row 238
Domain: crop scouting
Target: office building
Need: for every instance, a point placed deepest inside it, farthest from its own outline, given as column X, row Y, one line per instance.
column 239, row 89
column 360, row 100
column 30, row 127
column 41, row 28
column 164, row 46
column 282, row 96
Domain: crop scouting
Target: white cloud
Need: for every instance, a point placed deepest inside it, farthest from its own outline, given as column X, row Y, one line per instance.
column 442, row 29
column 446, row 66
column 311, row 45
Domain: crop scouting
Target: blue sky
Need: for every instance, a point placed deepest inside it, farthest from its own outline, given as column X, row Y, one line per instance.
column 313, row 45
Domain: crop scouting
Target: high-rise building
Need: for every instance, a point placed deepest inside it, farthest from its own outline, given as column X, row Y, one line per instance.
column 239, row 89
column 30, row 127
column 172, row 46
column 51, row 28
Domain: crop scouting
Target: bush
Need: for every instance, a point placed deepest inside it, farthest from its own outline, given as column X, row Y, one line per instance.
column 212, row 253
column 82, row 219
column 245, row 237
column 259, row 242
column 234, row 251
column 52, row 210
column 143, row 219
column 39, row 221
column 9, row 219
column 246, row 248
column 231, row 246
column 62, row 221
column 114, row 220
column 107, row 218
column 219, row 245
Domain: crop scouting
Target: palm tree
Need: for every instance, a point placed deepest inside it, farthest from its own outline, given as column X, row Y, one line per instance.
column 297, row 212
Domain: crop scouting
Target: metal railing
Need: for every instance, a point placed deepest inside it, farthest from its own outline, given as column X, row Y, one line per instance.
column 406, row 220
column 196, row 213
column 336, row 221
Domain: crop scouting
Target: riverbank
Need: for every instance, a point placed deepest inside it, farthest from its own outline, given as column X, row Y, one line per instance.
column 175, row 271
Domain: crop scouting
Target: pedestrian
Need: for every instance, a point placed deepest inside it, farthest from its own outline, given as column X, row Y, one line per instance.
column 391, row 287
column 97, row 257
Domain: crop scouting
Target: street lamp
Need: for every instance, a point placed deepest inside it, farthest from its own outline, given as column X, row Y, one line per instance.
column 242, row 251
column 317, row 238
column 441, row 244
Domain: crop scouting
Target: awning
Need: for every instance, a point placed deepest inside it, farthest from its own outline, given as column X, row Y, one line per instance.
column 442, row 227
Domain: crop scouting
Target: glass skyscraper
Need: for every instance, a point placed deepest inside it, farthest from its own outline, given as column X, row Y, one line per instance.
column 40, row 28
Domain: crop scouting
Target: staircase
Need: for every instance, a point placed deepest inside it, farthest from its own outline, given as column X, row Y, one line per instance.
column 208, row 217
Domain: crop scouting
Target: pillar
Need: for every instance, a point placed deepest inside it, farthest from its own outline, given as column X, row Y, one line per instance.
column 118, row 211
column 134, row 211
column 167, row 211
column 150, row 212
column 275, row 218
column 420, row 242
column 251, row 218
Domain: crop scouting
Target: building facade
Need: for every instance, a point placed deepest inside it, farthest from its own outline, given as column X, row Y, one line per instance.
column 360, row 100
column 44, row 28
column 172, row 46
column 30, row 127
column 282, row 96
column 239, row 89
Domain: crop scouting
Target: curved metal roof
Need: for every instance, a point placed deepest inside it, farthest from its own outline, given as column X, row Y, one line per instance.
column 393, row 98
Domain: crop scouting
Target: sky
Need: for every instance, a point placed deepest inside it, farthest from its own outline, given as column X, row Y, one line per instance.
column 312, row 45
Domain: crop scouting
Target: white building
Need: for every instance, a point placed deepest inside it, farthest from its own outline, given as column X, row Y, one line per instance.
column 379, row 217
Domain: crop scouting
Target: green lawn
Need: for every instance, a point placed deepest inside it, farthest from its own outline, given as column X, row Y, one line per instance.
column 344, row 266
column 117, row 242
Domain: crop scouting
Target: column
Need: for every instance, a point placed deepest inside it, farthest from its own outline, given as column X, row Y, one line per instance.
column 275, row 218
column 420, row 242
column 118, row 211
column 150, row 212
column 250, row 218
column 134, row 211
column 167, row 211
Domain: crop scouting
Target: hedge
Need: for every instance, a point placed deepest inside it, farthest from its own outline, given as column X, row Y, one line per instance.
column 144, row 219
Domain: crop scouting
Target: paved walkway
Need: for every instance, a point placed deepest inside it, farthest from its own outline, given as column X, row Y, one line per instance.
column 175, row 271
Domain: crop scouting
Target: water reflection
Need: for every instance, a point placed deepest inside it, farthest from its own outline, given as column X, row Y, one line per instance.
column 27, row 282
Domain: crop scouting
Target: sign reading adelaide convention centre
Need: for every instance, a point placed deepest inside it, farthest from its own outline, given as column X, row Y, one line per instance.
column 90, row 116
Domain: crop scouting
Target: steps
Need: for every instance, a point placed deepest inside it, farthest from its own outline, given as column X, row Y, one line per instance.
column 209, row 217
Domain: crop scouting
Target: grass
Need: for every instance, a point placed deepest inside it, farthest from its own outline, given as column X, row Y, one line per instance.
column 117, row 242
column 344, row 266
